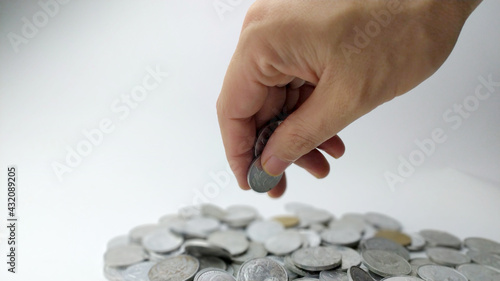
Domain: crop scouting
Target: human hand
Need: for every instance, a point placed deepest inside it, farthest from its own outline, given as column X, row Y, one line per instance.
column 354, row 55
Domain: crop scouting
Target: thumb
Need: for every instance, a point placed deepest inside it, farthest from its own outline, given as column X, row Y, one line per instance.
column 320, row 117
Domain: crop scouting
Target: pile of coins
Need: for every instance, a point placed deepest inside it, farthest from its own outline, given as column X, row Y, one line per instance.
column 307, row 243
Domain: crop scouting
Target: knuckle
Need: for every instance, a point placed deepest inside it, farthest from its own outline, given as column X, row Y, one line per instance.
column 299, row 142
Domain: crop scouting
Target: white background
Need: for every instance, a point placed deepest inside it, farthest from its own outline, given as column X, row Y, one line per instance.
column 65, row 79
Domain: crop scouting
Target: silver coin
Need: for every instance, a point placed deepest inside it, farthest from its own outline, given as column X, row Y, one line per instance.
column 403, row 278
column 213, row 274
column 211, row 262
column 310, row 238
column 259, row 180
column 214, row 211
column 263, row 136
column 350, row 257
column 260, row 231
column 140, row 231
column 477, row 272
column 298, row 271
column 200, row 226
column 417, row 242
column 261, row 269
column 379, row 243
column 114, row 273
column 162, row 241
column 482, row 245
column 125, row 255
column 236, row 268
column 295, row 207
column 234, row 242
column 284, row 243
column 306, row 279
column 333, row 275
column 489, row 260
column 385, row 263
column 348, row 223
column 281, row 260
column 230, row 270
column 432, row 272
column 355, row 273
column 310, row 216
column 118, row 241
column 447, row 256
column 239, row 215
column 437, row 238
column 157, row 257
column 255, row 250
column 181, row 268
column 342, row 237
column 317, row 258
column 138, row 272
column 416, row 263
column 198, row 247
column 382, row 221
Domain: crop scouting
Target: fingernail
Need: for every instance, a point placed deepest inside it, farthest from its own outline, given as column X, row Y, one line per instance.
column 275, row 166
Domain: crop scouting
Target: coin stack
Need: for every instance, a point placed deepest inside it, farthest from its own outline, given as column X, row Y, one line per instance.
column 307, row 243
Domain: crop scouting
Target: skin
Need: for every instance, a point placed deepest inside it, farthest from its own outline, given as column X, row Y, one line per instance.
column 302, row 60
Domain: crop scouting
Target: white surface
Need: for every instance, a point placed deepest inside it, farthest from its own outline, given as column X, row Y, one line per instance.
column 66, row 78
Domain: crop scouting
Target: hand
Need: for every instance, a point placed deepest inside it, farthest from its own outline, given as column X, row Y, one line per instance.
column 354, row 55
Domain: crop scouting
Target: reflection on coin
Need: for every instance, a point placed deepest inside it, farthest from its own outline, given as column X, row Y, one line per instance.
column 213, row 274
column 181, row 268
column 477, row 272
column 211, row 262
column 385, row 263
column 433, row 272
column 234, row 241
column 394, row 235
column 417, row 242
column 124, row 255
column 262, row 269
column 259, row 180
column 301, row 272
column 283, row 243
column 447, row 256
column 198, row 247
column 417, row 262
column 317, row 258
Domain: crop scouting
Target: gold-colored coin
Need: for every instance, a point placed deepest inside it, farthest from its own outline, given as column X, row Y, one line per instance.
column 287, row 221
column 394, row 235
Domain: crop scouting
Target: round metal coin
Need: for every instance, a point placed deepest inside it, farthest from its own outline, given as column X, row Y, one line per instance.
column 447, row 256
column 317, row 258
column 259, row 180
column 385, row 263
column 178, row 268
column 213, row 274
column 432, row 272
column 262, row 269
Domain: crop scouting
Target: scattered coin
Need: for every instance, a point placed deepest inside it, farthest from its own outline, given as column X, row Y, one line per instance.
column 124, row 255
column 482, row 245
column 255, row 250
column 213, row 274
column 447, row 256
column 261, row 269
column 355, row 273
column 417, row 242
column 162, row 241
column 211, row 262
column 437, row 238
column 342, row 237
column 182, row 268
column 234, row 242
column 489, row 260
column 317, row 258
column 382, row 221
column 433, row 272
column 260, row 231
column 283, row 243
column 333, row 275
column 138, row 271
column 385, row 263
column 477, row 272
column 379, row 243
column 350, row 257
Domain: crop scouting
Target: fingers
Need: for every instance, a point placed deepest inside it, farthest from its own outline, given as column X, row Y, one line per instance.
column 315, row 121
column 279, row 189
column 315, row 163
column 334, row 147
